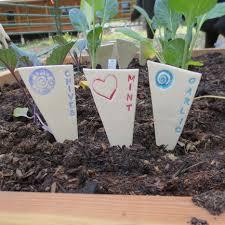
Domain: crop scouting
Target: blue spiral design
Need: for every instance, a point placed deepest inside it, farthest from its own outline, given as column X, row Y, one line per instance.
column 164, row 79
column 42, row 81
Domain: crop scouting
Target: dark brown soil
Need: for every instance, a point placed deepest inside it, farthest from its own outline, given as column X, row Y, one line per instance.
column 195, row 221
column 213, row 201
column 30, row 159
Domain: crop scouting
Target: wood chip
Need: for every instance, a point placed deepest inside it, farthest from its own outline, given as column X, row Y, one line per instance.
column 19, row 173
column 53, row 187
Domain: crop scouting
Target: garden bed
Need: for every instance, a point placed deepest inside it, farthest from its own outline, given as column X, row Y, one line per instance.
column 30, row 159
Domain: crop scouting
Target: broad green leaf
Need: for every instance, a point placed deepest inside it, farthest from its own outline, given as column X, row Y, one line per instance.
column 192, row 8
column 21, row 53
column 145, row 14
column 93, row 38
column 80, row 46
column 86, row 8
column 148, row 50
column 59, row 54
column 25, row 60
column 195, row 63
column 8, row 58
column 130, row 33
column 110, row 10
column 173, row 52
column 97, row 5
column 146, row 44
column 21, row 112
column 217, row 11
column 155, row 24
column 90, row 8
column 78, row 20
column 166, row 17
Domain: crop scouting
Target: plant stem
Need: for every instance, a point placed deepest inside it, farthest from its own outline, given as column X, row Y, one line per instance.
column 21, row 87
column 93, row 57
column 12, row 71
column 93, row 60
column 196, row 34
column 210, row 96
column 160, row 57
column 74, row 60
column 185, row 54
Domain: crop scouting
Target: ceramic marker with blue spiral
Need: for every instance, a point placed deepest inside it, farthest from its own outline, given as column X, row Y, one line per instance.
column 164, row 79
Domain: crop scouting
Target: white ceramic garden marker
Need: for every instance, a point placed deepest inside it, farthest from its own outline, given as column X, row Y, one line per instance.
column 124, row 51
column 115, row 93
column 52, row 88
column 103, row 54
column 172, row 93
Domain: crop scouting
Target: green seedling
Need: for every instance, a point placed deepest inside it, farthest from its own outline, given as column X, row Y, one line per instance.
column 90, row 20
column 169, row 48
column 21, row 112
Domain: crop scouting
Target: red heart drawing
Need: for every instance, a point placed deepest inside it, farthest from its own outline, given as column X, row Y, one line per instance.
column 105, row 88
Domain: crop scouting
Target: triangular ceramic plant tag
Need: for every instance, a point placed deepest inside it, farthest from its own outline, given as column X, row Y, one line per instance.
column 52, row 88
column 172, row 92
column 124, row 51
column 103, row 54
column 115, row 93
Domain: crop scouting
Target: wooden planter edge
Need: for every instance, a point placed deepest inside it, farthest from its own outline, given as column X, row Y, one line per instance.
column 76, row 209
column 20, row 208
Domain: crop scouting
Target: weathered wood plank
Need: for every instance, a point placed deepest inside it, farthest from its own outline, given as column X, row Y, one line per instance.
column 7, row 78
column 72, row 209
column 200, row 52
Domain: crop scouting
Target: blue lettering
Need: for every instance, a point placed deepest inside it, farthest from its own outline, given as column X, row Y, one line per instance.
column 181, row 121
column 178, row 130
column 192, row 80
column 69, row 88
column 72, row 113
column 71, row 105
column 67, row 74
column 187, row 101
column 68, row 81
column 189, row 92
column 182, row 111
column 71, row 95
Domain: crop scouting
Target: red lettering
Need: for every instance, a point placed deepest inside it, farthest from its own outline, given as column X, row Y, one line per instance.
column 129, row 107
column 129, row 97
column 131, row 78
column 130, row 87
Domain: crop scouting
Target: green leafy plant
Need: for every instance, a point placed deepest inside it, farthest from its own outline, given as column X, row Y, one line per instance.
column 15, row 57
column 169, row 48
column 9, row 59
column 59, row 53
column 78, row 47
column 90, row 20
column 21, row 112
